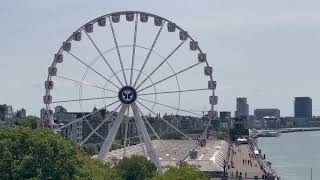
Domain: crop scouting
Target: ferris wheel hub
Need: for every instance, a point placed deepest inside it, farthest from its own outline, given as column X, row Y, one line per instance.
column 127, row 95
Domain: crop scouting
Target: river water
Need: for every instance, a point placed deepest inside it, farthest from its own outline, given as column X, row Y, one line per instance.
column 293, row 154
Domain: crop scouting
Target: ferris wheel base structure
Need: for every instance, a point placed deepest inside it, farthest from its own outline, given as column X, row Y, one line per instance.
column 209, row 158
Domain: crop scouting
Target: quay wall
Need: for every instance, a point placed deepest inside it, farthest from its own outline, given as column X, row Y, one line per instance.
column 289, row 130
column 272, row 174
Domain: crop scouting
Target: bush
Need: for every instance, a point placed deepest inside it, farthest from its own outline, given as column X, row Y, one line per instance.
column 94, row 148
column 91, row 149
column 135, row 168
column 92, row 169
column 186, row 172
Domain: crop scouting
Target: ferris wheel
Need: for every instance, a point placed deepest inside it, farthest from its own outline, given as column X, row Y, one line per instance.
column 138, row 65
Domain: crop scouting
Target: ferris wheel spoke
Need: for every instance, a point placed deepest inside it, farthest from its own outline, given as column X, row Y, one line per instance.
column 164, row 105
column 134, row 48
column 145, row 136
column 177, row 91
column 105, row 148
column 91, row 128
column 179, row 72
column 94, row 131
column 126, row 132
column 85, row 83
column 83, row 99
column 82, row 62
column 165, row 60
column 154, row 132
column 163, row 132
column 118, row 51
column 169, row 124
column 104, row 58
column 84, row 117
column 149, row 53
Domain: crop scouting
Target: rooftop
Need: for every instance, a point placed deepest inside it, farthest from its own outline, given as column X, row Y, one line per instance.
column 210, row 158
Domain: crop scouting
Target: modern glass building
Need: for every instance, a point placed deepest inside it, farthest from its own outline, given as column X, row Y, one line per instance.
column 242, row 107
column 303, row 107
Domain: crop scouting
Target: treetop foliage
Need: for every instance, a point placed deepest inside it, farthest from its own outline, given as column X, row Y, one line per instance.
column 185, row 172
column 136, row 168
column 40, row 154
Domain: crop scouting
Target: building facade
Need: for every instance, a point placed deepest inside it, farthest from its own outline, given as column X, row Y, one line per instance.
column 94, row 120
column 72, row 132
column 183, row 123
column 225, row 120
column 303, row 107
column 261, row 113
column 6, row 112
column 225, row 115
column 21, row 113
column 242, row 107
column 79, row 131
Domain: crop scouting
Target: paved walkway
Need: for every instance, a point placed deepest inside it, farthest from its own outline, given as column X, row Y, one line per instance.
column 243, row 162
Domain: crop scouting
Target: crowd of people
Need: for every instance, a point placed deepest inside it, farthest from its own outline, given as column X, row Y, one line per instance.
column 248, row 159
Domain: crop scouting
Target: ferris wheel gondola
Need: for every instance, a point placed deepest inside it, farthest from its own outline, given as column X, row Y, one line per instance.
column 130, row 78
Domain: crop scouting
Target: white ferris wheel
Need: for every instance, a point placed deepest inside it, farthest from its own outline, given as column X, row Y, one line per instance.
column 138, row 65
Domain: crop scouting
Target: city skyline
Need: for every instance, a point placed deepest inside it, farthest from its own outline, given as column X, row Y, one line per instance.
column 250, row 45
column 239, row 101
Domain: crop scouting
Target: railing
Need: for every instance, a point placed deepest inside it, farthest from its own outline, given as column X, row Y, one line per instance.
column 266, row 168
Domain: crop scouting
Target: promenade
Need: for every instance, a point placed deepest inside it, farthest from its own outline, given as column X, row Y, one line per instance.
column 243, row 163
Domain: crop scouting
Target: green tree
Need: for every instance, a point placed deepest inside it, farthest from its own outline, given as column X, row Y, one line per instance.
column 40, row 154
column 30, row 121
column 222, row 134
column 135, row 168
column 186, row 172
column 91, row 149
column 92, row 169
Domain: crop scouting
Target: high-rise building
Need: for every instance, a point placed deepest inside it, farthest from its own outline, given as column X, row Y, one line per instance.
column 303, row 107
column 242, row 107
column 21, row 113
column 6, row 112
column 261, row 113
column 225, row 115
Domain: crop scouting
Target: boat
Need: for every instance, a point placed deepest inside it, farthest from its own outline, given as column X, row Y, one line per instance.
column 268, row 133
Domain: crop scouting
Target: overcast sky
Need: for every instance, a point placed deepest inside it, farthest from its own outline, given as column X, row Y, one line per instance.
column 267, row 51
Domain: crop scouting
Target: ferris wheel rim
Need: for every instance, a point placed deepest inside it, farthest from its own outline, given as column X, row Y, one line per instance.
column 69, row 39
column 133, row 104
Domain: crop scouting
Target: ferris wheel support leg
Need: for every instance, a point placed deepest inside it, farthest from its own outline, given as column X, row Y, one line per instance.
column 145, row 136
column 102, row 155
column 51, row 122
column 125, row 136
column 142, row 143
